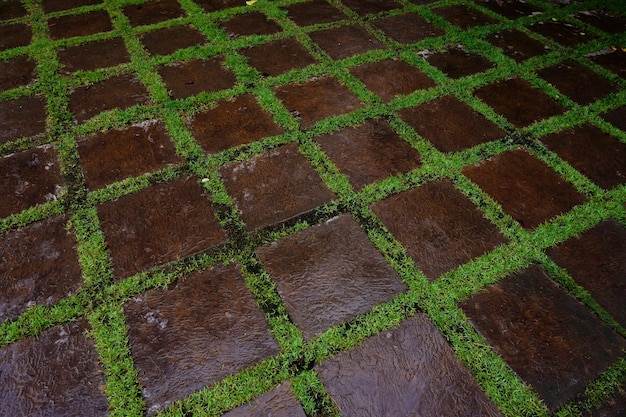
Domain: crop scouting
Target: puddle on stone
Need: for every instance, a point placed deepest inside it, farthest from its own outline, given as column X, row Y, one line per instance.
column 93, row 55
column 517, row 45
column 12, row 36
column 195, row 76
column 84, row 24
column 457, row 63
column 278, row 402
column 278, row 57
column 463, row 16
column 578, row 82
column 153, row 11
column 345, row 41
column 314, row 12
column 252, row 23
column 407, row 28
column 16, row 72
column 21, row 117
column 169, row 40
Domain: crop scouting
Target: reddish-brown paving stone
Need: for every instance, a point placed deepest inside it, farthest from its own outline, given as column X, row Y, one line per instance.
column 440, row 228
column 518, row 101
column 278, row 57
column 370, row 152
column 597, row 261
column 24, row 116
column 93, row 55
column 450, row 125
column 407, row 28
column 217, row 5
column 12, row 9
column 28, row 178
column 614, row 61
column 278, row 402
column 233, row 122
column 159, row 224
column 617, row 117
column 406, row 371
column 12, row 36
column 552, row 341
column 365, row 7
column 201, row 329
column 603, row 20
column 596, row 154
column 561, row 32
column 153, row 11
column 84, row 24
column 168, row 40
column 391, row 78
column 614, row 406
column 274, row 187
column 329, row 274
column 185, row 79
column 517, row 45
column 38, row 266
column 457, row 63
column 317, row 99
column 120, row 91
column 345, row 41
column 464, row 17
column 50, row 6
column 252, row 23
column 54, row 374
column 526, row 188
column 106, row 157
column 422, row 2
column 314, row 12
column 511, row 9
column 16, row 72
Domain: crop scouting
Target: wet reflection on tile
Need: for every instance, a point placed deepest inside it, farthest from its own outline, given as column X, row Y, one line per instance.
column 21, row 117
column 278, row 402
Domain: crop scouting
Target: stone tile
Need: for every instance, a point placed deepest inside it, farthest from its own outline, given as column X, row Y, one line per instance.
column 450, row 125
column 463, row 16
column 617, row 117
column 12, row 36
column 21, row 117
column 345, row 41
column 12, row 9
column 511, row 9
column 217, row 5
column 28, row 178
column 159, row 224
column 422, row 2
column 50, row 6
column 439, row 227
column 274, row 187
column 370, row 152
column 329, row 274
column 518, row 101
column 120, row 91
column 16, row 72
column 107, row 157
column 231, row 123
column 54, row 374
column 599, row 156
column 603, row 20
column 38, row 266
column 278, row 57
column 517, row 45
column 526, row 188
column 407, row 28
column 169, row 40
column 93, row 55
column 391, row 78
column 409, row 370
column 614, row 61
column 317, row 99
column 202, row 329
column 152, row 11
column 185, row 79
column 365, row 7
column 251, row 23
column 597, row 261
column 578, row 82
column 278, row 402
column 457, row 63
column 614, row 406
column 84, row 24
column 561, row 32
column 552, row 341
column 314, row 12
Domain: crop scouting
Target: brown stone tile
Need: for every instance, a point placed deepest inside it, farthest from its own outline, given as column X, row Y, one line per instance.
column 12, row 9
column 439, row 227
column 406, row 371
column 50, row 6
column 549, row 339
column 38, row 266
column 329, row 274
column 278, row 402
column 153, row 11
column 202, row 329
column 370, row 152
column 93, row 55
column 561, row 32
column 463, row 16
column 526, row 188
column 346, row 41
column 169, row 40
column 185, row 79
column 278, row 57
column 28, row 178
column 274, row 187
column 107, row 157
column 517, row 45
column 614, row 406
column 217, row 5
column 21, row 117
column 365, row 7
column 511, row 9
column 233, row 122
column 603, row 20
column 407, row 28
column 251, row 23
column 391, row 78
column 457, row 63
column 317, row 99
column 54, row 374
column 120, row 91
column 596, row 154
column 617, row 117
column 159, row 224
column 614, row 61
column 12, row 36
column 84, row 24
column 597, row 261
column 314, row 12
column 422, row 2
column 450, row 125
column 518, row 101
column 16, row 72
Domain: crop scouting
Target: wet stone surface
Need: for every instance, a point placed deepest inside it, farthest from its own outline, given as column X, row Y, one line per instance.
column 457, row 63
column 93, row 55
column 464, row 17
column 439, row 227
column 407, row 28
column 278, row 57
column 84, row 24
column 565, row 345
column 16, row 72
column 196, row 76
column 278, row 402
column 50, row 6
column 202, row 329
column 329, row 274
column 254, row 23
column 168, row 40
column 577, row 82
column 12, row 36
column 24, row 116
column 345, row 41
column 614, row 61
column 314, row 12
column 511, row 9
column 517, row 45
column 561, row 32
column 365, row 7
column 54, row 374
column 153, row 11
column 397, row 374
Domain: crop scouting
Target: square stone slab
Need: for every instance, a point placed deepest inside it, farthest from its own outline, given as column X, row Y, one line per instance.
column 216, row 5
column 50, row 6
column 407, row 28
column 22, row 117
column 511, row 9
column 439, row 227
column 153, row 11
column 391, row 78
column 202, row 329
column 365, row 7
column 599, row 156
column 231, row 123
column 614, row 61
column 169, row 40
column 93, row 55
column 526, row 188
column 12, row 36
column 617, row 117
column 28, row 178
column 517, row 45
column 603, row 20
column 464, row 17
column 561, row 32
column 450, row 125
column 329, row 274
column 314, row 12
column 278, row 402
column 84, row 24
column 159, row 224
column 12, row 9
column 251, row 23
column 457, row 63
column 107, row 157
column 278, row 57
column 369, row 153
column 185, row 79
column 38, row 266
column 406, row 371
column 16, row 72
column 346, row 41
column 274, row 187
column 54, row 374
column 552, row 341
column 597, row 261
